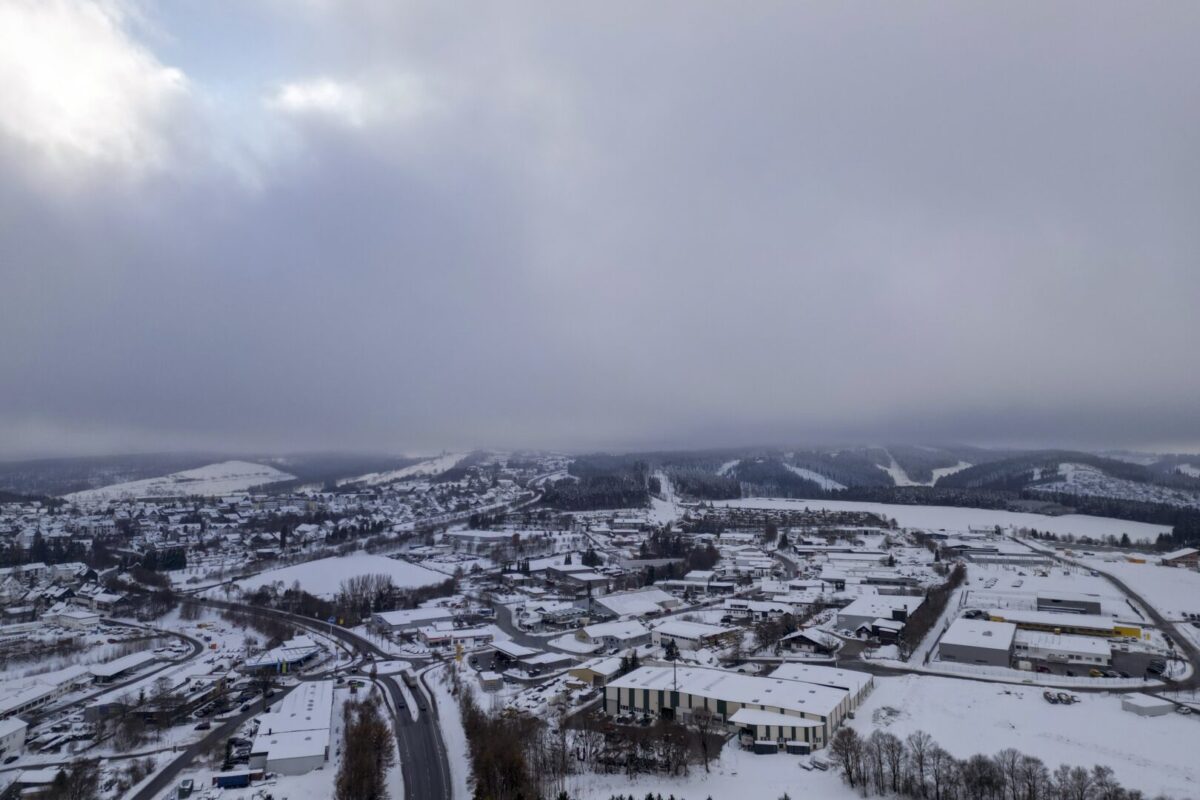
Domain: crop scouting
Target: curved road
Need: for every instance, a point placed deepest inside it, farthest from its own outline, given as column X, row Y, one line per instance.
column 423, row 760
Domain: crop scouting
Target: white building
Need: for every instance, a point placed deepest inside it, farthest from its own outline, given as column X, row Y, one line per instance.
column 975, row 641
column 12, row 737
column 295, row 737
column 858, row 684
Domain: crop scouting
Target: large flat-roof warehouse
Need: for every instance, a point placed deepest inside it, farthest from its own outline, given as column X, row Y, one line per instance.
column 682, row 691
column 294, row 738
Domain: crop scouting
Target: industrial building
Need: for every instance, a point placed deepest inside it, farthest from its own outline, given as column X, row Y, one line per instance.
column 295, row 738
column 974, row 641
column 1053, row 622
column 693, row 635
column 1062, row 648
column 813, row 711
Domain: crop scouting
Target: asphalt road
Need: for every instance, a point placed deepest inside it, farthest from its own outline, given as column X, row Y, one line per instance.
column 215, row 737
column 424, row 762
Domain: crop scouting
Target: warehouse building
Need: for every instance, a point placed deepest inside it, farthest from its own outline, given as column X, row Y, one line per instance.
column 867, row 610
column 681, row 692
column 121, row 667
column 974, row 641
column 693, row 635
column 294, row 739
column 1062, row 648
column 1077, row 624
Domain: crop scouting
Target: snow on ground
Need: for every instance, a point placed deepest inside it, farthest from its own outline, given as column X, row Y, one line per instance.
column 1173, row 591
column 1190, row 470
column 569, row 643
column 1154, row 754
column 951, row 518
column 227, row 477
column 324, row 576
column 453, row 735
column 737, row 774
column 666, row 508
column 727, row 466
column 825, row 483
column 432, row 466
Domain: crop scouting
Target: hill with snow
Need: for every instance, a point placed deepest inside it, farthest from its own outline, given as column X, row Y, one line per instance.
column 226, row 477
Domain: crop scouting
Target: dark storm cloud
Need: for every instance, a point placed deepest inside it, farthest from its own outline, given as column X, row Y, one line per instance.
column 618, row 227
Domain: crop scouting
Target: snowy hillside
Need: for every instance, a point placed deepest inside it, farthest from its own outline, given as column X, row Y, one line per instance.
column 427, row 468
column 1083, row 479
column 213, row 480
column 324, row 577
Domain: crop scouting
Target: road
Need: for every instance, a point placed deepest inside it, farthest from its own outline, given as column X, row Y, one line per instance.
column 217, row 736
column 424, row 763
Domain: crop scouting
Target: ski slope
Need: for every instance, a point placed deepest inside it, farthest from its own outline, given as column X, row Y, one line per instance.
column 226, row 477
column 825, row 483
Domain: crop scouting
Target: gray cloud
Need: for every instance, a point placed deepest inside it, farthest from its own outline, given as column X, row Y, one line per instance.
column 614, row 227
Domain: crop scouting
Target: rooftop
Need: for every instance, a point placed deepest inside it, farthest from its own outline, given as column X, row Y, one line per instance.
column 715, row 684
column 980, row 633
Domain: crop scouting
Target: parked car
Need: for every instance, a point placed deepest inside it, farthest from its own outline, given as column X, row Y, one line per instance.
column 203, row 726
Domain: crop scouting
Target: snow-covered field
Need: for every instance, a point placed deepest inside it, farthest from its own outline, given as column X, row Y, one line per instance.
column 324, row 577
column 213, row 480
column 1154, row 754
column 429, row 467
column 942, row 472
column 1173, row 591
column 737, row 774
column 951, row 518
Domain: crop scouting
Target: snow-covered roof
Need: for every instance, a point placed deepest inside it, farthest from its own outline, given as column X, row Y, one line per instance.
column 122, row 664
column 756, row 716
column 751, row 690
column 690, row 630
column 980, row 633
column 1065, row 643
column 848, row 679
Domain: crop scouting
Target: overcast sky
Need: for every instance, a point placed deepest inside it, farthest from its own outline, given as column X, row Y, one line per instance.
column 365, row 224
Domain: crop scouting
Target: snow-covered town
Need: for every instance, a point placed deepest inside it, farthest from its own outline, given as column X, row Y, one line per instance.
column 219, row 643
column 426, row 400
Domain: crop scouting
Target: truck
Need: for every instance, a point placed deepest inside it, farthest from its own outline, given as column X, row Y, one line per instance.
column 410, row 678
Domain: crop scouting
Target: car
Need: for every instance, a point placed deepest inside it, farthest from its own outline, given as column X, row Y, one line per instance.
column 203, row 726
column 245, row 707
column 11, row 759
column 1095, row 673
column 1180, row 709
column 1042, row 668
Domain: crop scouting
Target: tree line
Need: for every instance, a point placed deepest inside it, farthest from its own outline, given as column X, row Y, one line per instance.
column 918, row 767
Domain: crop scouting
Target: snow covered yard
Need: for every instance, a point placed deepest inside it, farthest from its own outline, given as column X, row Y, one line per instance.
column 738, row 775
column 324, row 577
column 1154, row 754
